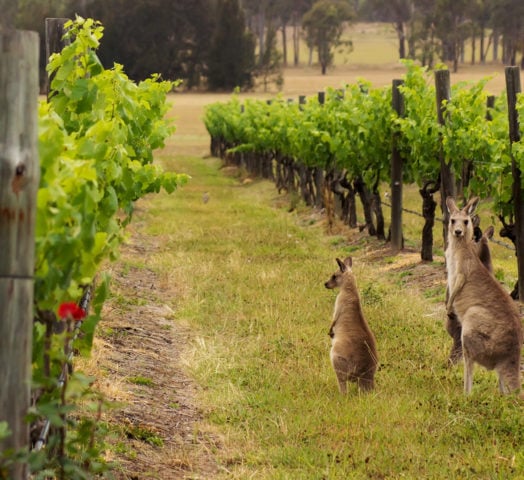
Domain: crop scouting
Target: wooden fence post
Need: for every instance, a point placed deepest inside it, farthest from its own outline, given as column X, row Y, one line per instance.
column 396, row 173
column 318, row 173
column 512, row 89
column 490, row 105
column 19, row 177
column 447, row 179
column 54, row 32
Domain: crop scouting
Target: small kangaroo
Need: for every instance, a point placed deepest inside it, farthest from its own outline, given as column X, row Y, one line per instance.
column 491, row 327
column 353, row 349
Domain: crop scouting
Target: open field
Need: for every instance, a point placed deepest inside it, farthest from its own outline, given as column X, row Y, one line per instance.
column 373, row 44
column 374, row 59
column 188, row 108
column 308, row 81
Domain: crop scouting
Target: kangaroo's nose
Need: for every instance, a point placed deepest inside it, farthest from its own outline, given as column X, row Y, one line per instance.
column 458, row 232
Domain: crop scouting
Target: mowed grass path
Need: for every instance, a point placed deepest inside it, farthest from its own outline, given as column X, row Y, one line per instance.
column 248, row 277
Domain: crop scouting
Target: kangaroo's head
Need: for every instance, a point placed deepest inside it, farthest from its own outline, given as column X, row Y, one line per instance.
column 460, row 221
column 338, row 277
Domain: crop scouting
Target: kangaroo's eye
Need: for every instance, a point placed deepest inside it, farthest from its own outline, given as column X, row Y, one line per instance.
column 452, row 221
column 466, row 222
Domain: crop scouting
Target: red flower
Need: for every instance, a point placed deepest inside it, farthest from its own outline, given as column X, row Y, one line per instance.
column 71, row 310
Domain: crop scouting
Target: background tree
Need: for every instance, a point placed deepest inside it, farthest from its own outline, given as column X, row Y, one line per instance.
column 259, row 15
column 284, row 11
column 299, row 8
column 421, row 33
column 323, row 25
column 174, row 38
column 453, row 27
column 508, row 20
column 269, row 69
column 264, row 14
column 481, row 12
column 290, row 13
column 155, row 36
column 231, row 59
column 398, row 12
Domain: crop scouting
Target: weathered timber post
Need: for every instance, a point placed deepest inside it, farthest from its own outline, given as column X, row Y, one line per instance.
column 513, row 88
column 396, row 173
column 323, row 179
column 490, row 105
column 447, row 179
column 19, row 177
column 54, row 42
column 318, row 172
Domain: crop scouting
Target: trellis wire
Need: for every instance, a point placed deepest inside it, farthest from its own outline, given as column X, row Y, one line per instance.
column 84, row 305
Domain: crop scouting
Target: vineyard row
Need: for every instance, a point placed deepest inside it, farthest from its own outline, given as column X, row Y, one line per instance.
column 346, row 143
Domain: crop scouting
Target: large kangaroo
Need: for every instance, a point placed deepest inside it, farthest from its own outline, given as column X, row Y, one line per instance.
column 353, row 349
column 491, row 327
column 453, row 326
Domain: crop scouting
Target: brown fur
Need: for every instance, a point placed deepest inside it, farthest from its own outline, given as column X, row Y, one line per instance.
column 491, row 326
column 481, row 243
column 353, row 347
column 483, row 251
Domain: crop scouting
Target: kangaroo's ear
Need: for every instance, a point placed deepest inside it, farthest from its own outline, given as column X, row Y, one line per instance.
column 452, row 206
column 341, row 264
column 348, row 261
column 488, row 233
column 471, row 205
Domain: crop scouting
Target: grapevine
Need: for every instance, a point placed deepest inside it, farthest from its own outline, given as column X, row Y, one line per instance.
column 97, row 134
column 349, row 140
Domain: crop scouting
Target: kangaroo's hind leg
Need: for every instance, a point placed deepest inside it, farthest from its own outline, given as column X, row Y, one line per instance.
column 509, row 376
column 468, row 373
column 365, row 384
column 472, row 345
column 341, row 367
column 502, row 387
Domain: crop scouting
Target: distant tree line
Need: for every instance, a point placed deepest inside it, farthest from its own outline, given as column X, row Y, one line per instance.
column 222, row 44
column 438, row 30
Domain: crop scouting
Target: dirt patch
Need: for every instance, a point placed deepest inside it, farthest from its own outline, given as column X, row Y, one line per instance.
column 155, row 417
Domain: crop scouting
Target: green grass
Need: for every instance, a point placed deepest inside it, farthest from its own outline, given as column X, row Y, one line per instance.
column 140, row 380
column 250, row 281
column 144, row 434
